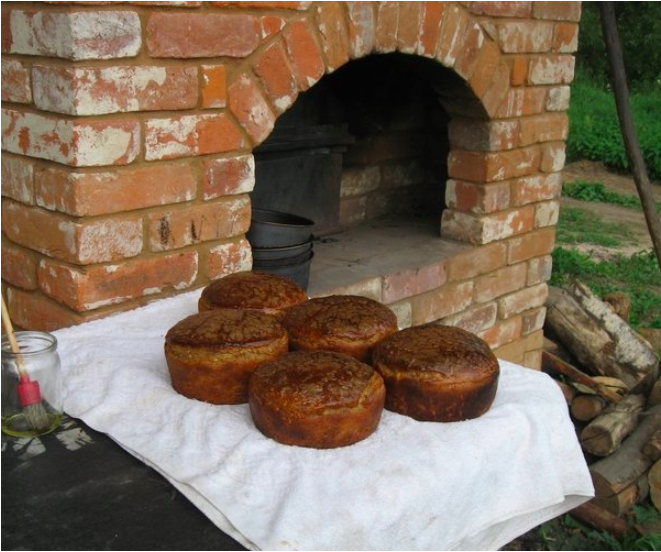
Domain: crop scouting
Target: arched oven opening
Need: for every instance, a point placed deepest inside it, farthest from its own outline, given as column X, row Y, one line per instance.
column 363, row 154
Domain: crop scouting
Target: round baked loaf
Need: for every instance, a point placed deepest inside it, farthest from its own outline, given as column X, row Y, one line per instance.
column 437, row 373
column 260, row 291
column 346, row 324
column 211, row 355
column 318, row 399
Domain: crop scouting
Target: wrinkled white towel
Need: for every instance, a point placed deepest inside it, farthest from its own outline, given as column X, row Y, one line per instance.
column 411, row 485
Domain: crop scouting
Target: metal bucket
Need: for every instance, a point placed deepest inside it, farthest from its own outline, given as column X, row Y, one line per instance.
column 298, row 271
column 270, row 229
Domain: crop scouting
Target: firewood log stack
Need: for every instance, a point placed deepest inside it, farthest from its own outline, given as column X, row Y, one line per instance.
column 614, row 395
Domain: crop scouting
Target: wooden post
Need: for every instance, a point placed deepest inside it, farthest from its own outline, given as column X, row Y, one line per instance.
column 632, row 146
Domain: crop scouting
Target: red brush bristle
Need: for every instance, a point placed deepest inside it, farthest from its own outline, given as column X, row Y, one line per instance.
column 28, row 391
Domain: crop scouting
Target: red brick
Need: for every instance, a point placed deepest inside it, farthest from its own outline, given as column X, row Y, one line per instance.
column 84, row 242
column 86, row 194
column 6, row 35
column 432, row 16
column 476, row 319
column 19, row 266
column 228, row 258
column 103, row 285
column 75, row 35
column 250, row 108
column 214, row 86
column 522, row 101
column 553, row 157
column 71, row 142
column 551, row 70
column 478, row 135
column 533, row 320
column 273, row 68
column 491, row 167
column 496, row 90
column 477, row 198
column 549, row 127
column 306, row 60
column 521, row 300
column 361, row 28
column 500, row 282
column 101, row 90
column 271, row 25
column 565, row 38
column 476, row 261
column 408, row 26
column 18, row 178
column 557, row 98
column 191, row 35
column 539, row 270
column 547, row 213
column 34, row 311
column 473, row 42
column 482, row 229
column 565, row 11
column 218, row 220
column 16, row 82
column 519, row 70
column 484, row 68
column 385, row 36
column 455, row 24
column 440, row 303
column 521, row 37
column 536, row 188
column 190, row 135
column 263, row 4
column 533, row 244
column 501, row 9
column 333, row 34
column 503, row 332
column 228, row 176
column 414, row 281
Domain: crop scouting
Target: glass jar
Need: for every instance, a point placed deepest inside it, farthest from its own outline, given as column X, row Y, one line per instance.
column 31, row 385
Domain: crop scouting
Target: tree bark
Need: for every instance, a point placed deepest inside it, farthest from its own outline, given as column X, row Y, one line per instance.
column 586, row 408
column 604, row 435
column 620, row 479
column 632, row 146
column 599, row 339
column 600, row 518
column 654, row 479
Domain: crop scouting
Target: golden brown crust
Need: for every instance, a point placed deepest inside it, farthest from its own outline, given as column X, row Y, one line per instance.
column 348, row 324
column 316, row 399
column 437, row 373
column 268, row 293
column 211, row 355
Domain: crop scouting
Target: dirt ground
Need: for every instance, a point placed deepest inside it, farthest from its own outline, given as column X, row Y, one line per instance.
column 634, row 219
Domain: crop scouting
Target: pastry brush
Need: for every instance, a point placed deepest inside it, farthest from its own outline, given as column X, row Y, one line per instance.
column 29, row 394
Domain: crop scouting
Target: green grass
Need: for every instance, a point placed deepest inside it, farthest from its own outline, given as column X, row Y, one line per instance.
column 566, row 533
column 582, row 226
column 638, row 276
column 586, row 190
column 594, row 131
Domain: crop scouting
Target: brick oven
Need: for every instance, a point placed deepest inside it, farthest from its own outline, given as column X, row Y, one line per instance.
column 136, row 135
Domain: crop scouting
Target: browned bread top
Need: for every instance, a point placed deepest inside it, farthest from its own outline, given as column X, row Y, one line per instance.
column 340, row 316
column 313, row 382
column 437, row 350
column 252, row 290
column 220, row 327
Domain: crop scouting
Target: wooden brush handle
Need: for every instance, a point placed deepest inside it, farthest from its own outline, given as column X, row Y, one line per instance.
column 11, row 337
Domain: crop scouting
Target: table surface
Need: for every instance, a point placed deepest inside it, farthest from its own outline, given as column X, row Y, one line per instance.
column 76, row 489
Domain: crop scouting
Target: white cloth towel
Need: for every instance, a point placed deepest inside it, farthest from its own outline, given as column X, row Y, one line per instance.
column 411, row 485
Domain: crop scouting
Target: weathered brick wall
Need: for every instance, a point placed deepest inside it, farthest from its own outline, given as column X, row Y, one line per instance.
column 127, row 132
